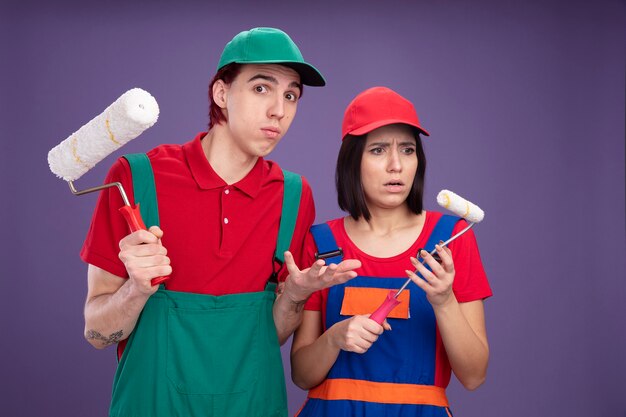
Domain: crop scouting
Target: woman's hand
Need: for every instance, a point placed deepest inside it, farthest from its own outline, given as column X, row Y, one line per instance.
column 437, row 282
column 356, row 334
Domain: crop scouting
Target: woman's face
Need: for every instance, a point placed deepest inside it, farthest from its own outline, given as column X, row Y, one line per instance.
column 388, row 166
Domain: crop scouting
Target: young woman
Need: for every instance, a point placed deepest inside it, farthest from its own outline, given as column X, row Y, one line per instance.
column 348, row 362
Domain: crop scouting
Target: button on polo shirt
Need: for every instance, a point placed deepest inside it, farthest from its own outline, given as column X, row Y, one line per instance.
column 220, row 237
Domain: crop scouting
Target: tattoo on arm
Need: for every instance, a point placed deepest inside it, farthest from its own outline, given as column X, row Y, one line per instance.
column 106, row 341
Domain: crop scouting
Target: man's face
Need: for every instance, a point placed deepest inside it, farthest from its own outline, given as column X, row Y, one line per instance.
column 260, row 105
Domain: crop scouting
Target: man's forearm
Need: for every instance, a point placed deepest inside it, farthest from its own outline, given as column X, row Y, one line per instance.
column 110, row 318
column 287, row 316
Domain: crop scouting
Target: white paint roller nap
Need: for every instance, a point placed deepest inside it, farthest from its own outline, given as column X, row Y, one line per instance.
column 124, row 120
column 132, row 113
column 460, row 206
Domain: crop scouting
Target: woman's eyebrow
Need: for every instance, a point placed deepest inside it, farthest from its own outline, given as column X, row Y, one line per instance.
column 379, row 144
column 407, row 143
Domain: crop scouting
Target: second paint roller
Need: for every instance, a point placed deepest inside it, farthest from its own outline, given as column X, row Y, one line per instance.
column 125, row 119
column 457, row 205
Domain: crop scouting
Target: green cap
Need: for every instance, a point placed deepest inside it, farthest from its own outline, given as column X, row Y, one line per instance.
column 269, row 46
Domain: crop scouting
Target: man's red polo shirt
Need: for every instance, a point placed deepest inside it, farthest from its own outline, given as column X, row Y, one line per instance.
column 220, row 238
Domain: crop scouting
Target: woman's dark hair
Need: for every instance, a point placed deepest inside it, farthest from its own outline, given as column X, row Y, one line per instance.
column 350, row 195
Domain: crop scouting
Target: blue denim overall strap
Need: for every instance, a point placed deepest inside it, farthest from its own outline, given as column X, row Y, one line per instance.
column 327, row 247
column 404, row 357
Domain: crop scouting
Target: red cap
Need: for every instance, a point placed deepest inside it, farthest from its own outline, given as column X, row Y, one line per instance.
column 377, row 107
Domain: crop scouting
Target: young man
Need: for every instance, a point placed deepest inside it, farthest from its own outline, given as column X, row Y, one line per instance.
column 208, row 343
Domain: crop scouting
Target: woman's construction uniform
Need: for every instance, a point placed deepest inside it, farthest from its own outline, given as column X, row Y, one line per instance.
column 405, row 372
column 194, row 354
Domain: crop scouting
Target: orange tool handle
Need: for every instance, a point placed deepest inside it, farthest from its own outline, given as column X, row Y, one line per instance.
column 135, row 222
column 381, row 312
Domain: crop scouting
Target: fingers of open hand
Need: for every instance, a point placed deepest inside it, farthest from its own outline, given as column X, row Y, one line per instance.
column 348, row 265
column 426, row 279
column 443, row 271
column 326, row 274
column 346, row 270
column 290, row 263
column 318, row 267
column 293, row 269
column 338, row 274
column 426, row 275
column 417, row 280
column 435, row 266
column 445, row 254
column 311, row 278
column 437, row 284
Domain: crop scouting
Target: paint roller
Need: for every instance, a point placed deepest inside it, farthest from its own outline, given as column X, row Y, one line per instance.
column 125, row 119
column 457, row 205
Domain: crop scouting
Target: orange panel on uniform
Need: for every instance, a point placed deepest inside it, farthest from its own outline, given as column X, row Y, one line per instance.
column 360, row 300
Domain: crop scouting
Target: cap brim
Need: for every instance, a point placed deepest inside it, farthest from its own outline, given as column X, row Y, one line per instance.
column 380, row 123
column 309, row 75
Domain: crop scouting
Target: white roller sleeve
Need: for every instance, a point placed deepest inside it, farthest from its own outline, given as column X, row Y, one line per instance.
column 460, row 206
column 124, row 120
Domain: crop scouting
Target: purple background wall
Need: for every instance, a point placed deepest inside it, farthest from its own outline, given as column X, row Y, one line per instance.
column 525, row 103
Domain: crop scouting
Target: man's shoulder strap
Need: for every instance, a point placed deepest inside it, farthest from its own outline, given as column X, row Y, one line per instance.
column 291, row 205
column 144, row 190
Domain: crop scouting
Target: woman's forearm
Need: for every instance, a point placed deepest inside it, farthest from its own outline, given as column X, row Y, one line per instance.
column 310, row 364
column 463, row 333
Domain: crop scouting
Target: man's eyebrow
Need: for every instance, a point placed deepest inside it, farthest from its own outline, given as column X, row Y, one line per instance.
column 269, row 78
column 273, row 80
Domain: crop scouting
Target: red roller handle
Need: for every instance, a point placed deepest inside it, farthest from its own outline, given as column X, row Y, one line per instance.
column 135, row 222
column 381, row 312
